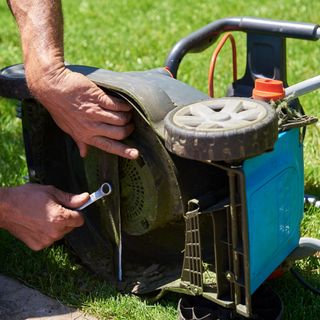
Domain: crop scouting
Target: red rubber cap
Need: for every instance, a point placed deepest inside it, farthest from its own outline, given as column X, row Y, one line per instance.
column 279, row 272
column 268, row 89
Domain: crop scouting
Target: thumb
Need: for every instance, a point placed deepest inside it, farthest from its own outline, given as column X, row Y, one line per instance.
column 70, row 200
column 78, row 200
column 83, row 148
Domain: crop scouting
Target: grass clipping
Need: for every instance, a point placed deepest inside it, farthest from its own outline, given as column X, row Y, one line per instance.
column 289, row 116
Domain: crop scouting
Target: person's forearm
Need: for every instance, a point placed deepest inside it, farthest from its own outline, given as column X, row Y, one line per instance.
column 41, row 27
column 77, row 105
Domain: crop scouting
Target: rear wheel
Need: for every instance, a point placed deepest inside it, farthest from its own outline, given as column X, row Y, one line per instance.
column 225, row 129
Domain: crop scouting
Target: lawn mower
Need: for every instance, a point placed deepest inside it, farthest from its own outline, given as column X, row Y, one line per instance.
column 214, row 203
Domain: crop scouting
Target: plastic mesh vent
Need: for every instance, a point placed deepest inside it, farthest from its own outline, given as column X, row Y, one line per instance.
column 133, row 194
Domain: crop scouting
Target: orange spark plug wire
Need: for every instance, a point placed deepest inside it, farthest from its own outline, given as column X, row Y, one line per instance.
column 214, row 59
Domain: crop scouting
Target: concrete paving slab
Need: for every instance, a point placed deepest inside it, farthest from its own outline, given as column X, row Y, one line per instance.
column 18, row 302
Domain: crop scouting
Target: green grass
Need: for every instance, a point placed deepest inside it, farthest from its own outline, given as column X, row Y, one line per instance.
column 136, row 35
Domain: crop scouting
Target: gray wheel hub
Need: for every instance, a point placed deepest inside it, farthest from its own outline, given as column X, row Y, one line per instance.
column 214, row 115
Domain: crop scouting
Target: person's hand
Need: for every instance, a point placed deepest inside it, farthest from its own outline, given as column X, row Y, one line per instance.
column 38, row 215
column 76, row 104
column 85, row 112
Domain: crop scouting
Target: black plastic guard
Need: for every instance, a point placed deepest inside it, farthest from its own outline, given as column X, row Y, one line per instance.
column 147, row 89
column 13, row 84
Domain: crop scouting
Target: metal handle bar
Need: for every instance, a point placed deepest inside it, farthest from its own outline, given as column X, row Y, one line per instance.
column 204, row 37
column 303, row 87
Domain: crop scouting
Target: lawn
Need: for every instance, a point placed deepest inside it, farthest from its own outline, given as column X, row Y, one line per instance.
column 130, row 35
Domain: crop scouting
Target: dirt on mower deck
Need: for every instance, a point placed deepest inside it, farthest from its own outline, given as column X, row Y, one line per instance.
column 18, row 302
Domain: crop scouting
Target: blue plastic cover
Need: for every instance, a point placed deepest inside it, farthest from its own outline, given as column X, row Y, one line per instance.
column 274, row 194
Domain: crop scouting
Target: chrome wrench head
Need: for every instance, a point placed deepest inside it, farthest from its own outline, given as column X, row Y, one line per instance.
column 104, row 190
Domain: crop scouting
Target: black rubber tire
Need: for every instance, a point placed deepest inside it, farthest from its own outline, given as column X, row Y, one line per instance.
column 222, row 144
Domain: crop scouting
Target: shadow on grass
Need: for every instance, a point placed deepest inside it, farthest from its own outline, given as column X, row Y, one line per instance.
column 52, row 271
column 299, row 302
column 58, row 274
column 312, row 187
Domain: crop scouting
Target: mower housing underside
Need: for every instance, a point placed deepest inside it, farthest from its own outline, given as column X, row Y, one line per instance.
column 198, row 227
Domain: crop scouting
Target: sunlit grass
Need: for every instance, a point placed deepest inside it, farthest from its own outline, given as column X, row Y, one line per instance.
column 130, row 35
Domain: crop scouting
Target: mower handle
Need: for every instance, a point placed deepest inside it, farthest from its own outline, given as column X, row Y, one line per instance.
column 204, row 37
